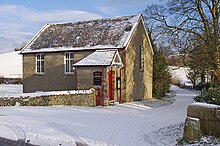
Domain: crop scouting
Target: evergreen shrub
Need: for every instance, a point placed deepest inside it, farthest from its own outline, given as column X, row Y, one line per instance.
column 212, row 96
column 161, row 75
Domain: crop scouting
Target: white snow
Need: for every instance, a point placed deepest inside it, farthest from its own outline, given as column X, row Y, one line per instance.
column 61, row 49
column 127, row 36
column 8, row 91
column 206, row 141
column 180, row 73
column 206, row 105
column 114, row 125
column 194, row 119
column 11, row 65
column 99, row 57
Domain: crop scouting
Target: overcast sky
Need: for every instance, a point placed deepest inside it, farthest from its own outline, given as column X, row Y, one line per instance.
column 21, row 19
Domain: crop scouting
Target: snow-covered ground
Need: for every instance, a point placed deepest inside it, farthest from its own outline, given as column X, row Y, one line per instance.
column 9, row 90
column 11, row 65
column 126, row 124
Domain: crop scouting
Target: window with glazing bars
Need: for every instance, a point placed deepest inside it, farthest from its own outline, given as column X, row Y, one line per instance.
column 39, row 63
column 69, row 62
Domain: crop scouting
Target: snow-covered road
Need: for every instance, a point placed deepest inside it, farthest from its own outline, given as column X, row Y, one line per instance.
column 124, row 124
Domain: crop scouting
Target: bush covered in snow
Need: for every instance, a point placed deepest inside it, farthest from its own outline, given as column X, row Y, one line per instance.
column 203, row 141
column 211, row 95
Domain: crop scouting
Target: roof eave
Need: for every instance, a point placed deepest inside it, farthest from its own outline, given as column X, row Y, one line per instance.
column 148, row 38
column 70, row 49
column 132, row 32
column 92, row 65
column 34, row 37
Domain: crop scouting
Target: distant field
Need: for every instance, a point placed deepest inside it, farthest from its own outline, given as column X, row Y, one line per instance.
column 11, row 65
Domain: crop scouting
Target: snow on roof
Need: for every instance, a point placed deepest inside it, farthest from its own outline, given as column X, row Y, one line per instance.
column 98, row 58
column 61, row 49
column 112, row 32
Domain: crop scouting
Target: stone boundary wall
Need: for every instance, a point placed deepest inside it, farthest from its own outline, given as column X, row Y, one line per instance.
column 79, row 99
column 10, row 80
column 202, row 119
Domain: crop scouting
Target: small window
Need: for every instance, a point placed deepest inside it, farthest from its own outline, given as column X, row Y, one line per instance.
column 68, row 63
column 97, row 78
column 141, row 59
column 40, row 63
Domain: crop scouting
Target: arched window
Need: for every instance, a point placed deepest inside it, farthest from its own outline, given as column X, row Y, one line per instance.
column 97, row 78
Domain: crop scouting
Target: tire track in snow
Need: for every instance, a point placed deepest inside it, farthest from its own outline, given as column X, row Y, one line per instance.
column 17, row 131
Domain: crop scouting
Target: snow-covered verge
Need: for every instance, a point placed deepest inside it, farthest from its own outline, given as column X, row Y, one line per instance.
column 200, row 104
column 10, row 142
column 11, row 65
column 10, row 90
column 203, row 141
column 167, row 100
column 123, row 124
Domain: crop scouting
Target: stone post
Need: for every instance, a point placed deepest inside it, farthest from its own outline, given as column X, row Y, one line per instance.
column 192, row 131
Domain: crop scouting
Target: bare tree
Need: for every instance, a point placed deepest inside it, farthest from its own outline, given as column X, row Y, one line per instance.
column 22, row 45
column 189, row 24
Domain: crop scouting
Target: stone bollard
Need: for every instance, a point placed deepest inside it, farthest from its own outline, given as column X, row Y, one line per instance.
column 192, row 131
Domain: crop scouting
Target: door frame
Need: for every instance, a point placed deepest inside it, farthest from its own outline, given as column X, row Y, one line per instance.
column 111, row 85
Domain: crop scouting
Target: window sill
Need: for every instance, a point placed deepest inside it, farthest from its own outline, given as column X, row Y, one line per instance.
column 39, row 74
column 72, row 73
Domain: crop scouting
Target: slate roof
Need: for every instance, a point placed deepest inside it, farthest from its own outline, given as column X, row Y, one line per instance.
column 93, row 34
column 98, row 58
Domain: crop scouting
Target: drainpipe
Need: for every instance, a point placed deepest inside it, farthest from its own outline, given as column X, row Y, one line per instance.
column 124, row 68
column 103, row 87
column 125, row 58
column 120, row 84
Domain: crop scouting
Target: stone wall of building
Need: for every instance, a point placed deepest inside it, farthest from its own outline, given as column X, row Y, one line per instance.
column 138, row 80
column 54, row 77
column 85, row 78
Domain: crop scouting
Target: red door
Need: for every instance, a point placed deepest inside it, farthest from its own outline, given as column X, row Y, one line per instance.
column 111, row 86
